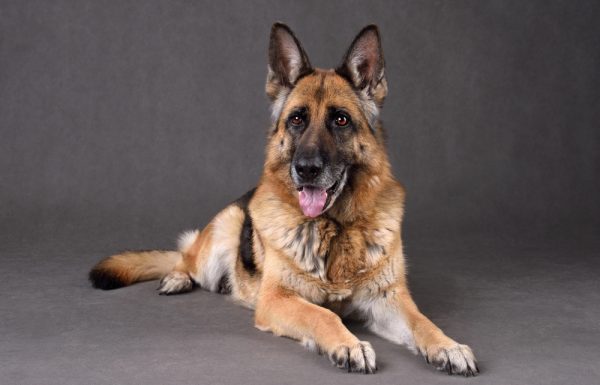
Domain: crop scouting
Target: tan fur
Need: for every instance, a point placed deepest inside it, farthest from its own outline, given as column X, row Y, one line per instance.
column 136, row 266
column 311, row 271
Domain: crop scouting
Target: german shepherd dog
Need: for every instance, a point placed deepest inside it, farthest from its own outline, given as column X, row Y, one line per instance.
column 319, row 237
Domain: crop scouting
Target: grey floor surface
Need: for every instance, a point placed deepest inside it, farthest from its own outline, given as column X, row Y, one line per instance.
column 530, row 310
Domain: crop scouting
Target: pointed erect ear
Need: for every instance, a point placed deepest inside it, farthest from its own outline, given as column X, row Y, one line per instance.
column 363, row 65
column 287, row 61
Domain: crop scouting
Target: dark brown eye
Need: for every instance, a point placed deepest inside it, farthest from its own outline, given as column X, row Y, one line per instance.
column 341, row 120
column 296, row 120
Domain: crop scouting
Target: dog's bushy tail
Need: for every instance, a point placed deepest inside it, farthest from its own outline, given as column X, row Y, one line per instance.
column 133, row 266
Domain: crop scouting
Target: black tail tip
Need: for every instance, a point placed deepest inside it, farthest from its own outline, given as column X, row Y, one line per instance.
column 105, row 280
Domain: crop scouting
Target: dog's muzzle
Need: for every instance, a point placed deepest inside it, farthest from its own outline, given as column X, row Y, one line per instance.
column 314, row 200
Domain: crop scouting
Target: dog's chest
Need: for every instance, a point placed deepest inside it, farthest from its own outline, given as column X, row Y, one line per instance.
column 308, row 246
column 334, row 255
column 353, row 254
column 330, row 264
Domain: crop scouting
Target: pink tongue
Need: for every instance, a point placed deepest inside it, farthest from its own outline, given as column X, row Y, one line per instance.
column 312, row 201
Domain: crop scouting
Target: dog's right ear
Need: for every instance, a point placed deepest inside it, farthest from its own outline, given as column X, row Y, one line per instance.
column 287, row 61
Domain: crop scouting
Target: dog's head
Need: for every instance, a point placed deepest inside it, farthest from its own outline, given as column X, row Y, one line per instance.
column 325, row 122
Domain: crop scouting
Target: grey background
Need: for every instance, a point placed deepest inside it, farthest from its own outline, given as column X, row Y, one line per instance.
column 124, row 122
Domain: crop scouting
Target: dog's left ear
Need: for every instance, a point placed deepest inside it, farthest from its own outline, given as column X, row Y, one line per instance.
column 364, row 66
column 287, row 61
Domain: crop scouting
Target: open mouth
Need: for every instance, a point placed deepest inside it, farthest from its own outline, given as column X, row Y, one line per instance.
column 315, row 200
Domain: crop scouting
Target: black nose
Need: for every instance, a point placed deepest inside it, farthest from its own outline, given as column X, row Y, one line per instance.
column 309, row 168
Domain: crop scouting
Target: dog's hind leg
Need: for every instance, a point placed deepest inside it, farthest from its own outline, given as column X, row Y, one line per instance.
column 209, row 256
column 178, row 281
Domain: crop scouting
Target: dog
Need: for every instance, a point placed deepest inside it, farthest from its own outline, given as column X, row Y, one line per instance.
column 318, row 239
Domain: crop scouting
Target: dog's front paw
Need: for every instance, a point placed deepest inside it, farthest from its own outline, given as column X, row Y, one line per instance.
column 174, row 283
column 456, row 359
column 359, row 358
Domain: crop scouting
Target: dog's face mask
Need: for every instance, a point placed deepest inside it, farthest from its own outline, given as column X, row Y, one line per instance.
column 324, row 120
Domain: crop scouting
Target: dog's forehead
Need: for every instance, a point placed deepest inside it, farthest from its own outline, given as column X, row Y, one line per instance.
column 323, row 87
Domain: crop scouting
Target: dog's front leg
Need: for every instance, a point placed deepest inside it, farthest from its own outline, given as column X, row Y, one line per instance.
column 285, row 313
column 395, row 316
